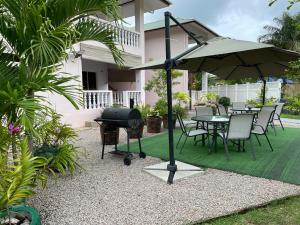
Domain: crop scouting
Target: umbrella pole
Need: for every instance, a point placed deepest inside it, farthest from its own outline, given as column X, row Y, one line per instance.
column 172, row 168
column 264, row 84
column 264, row 92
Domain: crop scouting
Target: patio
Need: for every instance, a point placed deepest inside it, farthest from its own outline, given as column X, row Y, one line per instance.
column 107, row 192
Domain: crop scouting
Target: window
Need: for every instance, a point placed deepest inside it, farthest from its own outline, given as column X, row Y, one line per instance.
column 88, row 80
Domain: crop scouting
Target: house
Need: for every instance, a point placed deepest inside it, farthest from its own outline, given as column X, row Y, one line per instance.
column 180, row 41
column 103, row 82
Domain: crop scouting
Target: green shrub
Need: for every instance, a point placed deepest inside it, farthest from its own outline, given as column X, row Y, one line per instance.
column 182, row 111
column 161, row 107
column 224, row 101
column 293, row 104
column 55, row 142
column 144, row 110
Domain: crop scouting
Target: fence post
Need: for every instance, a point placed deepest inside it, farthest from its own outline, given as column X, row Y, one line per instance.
column 279, row 90
column 226, row 90
column 247, row 91
column 235, row 92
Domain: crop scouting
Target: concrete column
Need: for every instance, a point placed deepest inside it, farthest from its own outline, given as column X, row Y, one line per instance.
column 204, row 82
column 139, row 27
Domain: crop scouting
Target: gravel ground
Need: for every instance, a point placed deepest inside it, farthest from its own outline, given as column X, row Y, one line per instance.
column 109, row 193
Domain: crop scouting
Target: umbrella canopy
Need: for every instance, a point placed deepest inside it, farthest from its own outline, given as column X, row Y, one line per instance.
column 233, row 59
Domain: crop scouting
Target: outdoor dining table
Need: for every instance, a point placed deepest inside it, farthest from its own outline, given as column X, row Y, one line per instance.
column 247, row 110
column 216, row 121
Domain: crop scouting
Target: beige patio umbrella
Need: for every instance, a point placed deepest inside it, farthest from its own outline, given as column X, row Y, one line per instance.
column 232, row 59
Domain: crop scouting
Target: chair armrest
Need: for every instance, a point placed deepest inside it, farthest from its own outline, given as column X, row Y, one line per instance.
column 260, row 127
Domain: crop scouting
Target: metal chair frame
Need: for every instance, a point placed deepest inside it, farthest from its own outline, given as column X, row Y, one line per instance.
column 224, row 135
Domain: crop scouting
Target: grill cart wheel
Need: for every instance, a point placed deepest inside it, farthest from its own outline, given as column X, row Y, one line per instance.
column 142, row 155
column 127, row 161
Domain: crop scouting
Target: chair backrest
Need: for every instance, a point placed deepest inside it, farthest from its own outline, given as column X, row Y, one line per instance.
column 240, row 126
column 265, row 116
column 271, row 108
column 222, row 110
column 278, row 109
column 204, row 111
column 238, row 105
column 181, row 123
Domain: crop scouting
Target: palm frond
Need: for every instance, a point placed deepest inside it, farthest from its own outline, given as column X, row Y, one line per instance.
column 90, row 29
column 60, row 11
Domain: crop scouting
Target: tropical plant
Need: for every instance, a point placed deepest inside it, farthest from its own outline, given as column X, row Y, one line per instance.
column 144, row 110
column 290, row 3
column 158, row 83
column 182, row 111
column 285, row 34
column 181, row 97
column 17, row 179
column 55, row 143
column 161, row 107
column 153, row 113
column 37, row 36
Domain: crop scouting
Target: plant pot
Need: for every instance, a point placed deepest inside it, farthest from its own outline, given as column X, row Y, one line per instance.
column 135, row 135
column 165, row 121
column 23, row 212
column 111, row 134
column 153, row 124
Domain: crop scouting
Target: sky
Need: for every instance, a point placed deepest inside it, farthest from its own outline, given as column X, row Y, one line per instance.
column 239, row 19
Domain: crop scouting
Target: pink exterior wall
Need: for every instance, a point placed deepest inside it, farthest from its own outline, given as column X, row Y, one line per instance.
column 155, row 49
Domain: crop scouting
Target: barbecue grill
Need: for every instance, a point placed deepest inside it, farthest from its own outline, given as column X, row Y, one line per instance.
column 130, row 120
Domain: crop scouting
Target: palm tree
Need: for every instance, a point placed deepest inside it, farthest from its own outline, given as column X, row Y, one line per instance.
column 285, row 34
column 35, row 38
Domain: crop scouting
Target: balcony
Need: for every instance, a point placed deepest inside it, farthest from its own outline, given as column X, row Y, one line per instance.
column 97, row 99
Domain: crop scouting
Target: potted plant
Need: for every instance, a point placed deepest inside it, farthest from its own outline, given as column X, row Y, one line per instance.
column 153, row 122
column 144, row 110
column 225, row 101
column 161, row 107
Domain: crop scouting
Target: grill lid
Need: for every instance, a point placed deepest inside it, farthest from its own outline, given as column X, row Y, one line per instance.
column 121, row 116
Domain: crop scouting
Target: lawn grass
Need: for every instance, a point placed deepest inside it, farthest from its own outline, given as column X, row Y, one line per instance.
column 285, row 212
column 282, row 164
column 289, row 116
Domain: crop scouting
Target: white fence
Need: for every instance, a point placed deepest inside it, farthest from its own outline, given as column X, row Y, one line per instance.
column 101, row 99
column 242, row 92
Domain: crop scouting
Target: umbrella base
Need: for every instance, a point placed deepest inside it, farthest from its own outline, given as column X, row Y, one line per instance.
column 183, row 170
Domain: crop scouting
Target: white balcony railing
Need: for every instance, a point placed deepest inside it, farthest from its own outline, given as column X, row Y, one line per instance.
column 123, row 36
column 97, row 99
column 102, row 99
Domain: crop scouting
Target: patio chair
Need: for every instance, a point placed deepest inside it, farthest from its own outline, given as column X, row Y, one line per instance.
column 261, row 124
column 278, row 113
column 239, row 129
column 238, row 105
column 222, row 110
column 204, row 111
column 192, row 132
column 271, row 121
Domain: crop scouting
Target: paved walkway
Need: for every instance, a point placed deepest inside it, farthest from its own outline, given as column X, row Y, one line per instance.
column 109, row 193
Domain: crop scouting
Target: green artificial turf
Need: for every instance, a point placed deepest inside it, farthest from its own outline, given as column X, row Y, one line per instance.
column 283, row 164
column 278, row 212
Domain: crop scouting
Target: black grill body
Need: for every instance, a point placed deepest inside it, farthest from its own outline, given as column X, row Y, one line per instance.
column 130, row 120
column 121, row 117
